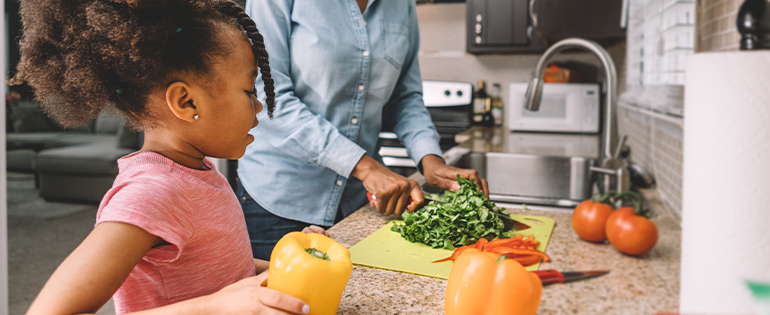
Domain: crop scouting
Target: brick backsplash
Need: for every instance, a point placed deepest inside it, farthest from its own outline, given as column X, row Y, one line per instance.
column 716, row 29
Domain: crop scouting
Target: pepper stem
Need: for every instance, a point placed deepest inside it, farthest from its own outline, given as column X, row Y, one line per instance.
column 317, row 253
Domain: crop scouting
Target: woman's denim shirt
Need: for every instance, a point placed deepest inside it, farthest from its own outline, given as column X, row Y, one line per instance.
column 337, row 73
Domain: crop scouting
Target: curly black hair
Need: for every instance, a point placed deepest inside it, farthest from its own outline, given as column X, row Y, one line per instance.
column 81, row 56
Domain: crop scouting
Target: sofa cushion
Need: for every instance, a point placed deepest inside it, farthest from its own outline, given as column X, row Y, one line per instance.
column 70, row 139
column 75, row 187
column 48, row 140
column 108, row 123
column 128, row 139
column 95, row 159
column 30, row 140
column 20, row 160
column 28, row 116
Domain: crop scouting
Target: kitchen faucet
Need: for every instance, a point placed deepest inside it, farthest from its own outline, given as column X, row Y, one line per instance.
column 611, row 165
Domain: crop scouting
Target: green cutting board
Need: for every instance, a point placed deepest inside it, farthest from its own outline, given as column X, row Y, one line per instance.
column 386, row 249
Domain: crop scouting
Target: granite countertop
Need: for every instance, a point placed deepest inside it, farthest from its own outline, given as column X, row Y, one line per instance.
column 635, row 285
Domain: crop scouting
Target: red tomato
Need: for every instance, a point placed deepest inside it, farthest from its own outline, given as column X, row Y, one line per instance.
column 589, row 220
column 631, row 234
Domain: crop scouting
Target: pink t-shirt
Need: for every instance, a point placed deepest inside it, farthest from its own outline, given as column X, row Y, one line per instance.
column 196, row 212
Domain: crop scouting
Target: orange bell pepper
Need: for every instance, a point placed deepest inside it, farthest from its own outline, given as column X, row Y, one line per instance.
column 483, row 283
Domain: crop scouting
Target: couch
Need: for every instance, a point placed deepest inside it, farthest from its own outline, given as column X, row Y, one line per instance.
column 76, row 165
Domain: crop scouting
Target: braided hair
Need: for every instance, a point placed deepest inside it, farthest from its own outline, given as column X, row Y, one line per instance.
column 258, row 47
column 81, row 56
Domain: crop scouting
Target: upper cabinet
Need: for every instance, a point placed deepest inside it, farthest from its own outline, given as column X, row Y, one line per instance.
column 528, row 26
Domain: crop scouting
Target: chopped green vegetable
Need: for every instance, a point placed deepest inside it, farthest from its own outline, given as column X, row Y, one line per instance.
column 466, row 217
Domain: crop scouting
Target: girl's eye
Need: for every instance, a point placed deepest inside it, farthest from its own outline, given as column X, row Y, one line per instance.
column 252, row 92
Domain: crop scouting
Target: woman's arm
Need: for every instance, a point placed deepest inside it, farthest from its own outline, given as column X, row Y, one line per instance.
column 413, row 124
column 312, row 138
column 89, row 276
column 308, row 137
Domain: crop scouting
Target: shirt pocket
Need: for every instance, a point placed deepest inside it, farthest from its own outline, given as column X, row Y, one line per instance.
column 395, row 43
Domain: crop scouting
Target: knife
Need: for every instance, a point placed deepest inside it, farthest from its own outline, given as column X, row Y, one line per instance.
column 550, row 276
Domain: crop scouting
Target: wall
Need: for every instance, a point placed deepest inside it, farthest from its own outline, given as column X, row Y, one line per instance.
column 716, row 30
column 3, row 191
column 442, row 53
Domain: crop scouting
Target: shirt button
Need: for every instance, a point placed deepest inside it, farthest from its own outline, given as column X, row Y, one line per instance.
column 339, row 183
column 366, row 53
column 354, row 121
column 360, row 87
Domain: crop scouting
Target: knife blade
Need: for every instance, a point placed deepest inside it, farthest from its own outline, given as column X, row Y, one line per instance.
column 550, row 276
column 511, row 223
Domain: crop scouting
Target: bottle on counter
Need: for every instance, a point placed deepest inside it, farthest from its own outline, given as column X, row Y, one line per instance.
column 480, row 101
column 497, row 105
column 488, row 120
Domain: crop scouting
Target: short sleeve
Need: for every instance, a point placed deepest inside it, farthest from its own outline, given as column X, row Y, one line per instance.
column 155, row 205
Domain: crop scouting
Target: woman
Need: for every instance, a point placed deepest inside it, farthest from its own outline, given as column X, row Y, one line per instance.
column 340, row 67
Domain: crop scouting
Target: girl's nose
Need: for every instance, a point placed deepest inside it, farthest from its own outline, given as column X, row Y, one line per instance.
column 257, row 105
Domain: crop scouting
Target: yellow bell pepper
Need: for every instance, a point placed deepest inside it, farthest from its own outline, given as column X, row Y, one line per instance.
column 483, row 283
column 311, row 267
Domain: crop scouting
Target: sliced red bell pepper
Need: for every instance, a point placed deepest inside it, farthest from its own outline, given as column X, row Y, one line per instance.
column 523, row 250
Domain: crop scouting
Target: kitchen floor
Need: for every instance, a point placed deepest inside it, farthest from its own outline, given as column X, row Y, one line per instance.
column 40, row 236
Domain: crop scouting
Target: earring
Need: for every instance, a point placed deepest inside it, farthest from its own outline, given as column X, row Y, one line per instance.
column 195, row 116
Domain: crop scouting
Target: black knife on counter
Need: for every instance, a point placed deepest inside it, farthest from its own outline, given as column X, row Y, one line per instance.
column 550, row 276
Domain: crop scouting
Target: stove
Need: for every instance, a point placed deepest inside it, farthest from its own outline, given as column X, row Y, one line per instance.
column 450, row 107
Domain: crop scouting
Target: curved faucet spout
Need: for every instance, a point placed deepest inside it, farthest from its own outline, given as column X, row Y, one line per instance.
column 535, row 88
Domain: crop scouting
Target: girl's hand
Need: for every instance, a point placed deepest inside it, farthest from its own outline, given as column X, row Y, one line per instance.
column 251, row 296
column 392, row 190
column 440, row 175
column 315, row 229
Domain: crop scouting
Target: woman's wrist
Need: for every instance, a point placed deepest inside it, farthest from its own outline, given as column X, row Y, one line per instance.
column 364, row 167
column 429, row 162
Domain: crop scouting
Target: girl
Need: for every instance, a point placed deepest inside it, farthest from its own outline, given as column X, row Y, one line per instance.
column 170, row 236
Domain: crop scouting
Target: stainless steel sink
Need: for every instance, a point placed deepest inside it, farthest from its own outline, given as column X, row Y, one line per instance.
column 533, row 179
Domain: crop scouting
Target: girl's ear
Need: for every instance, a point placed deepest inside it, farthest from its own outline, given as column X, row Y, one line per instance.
column 179, row 98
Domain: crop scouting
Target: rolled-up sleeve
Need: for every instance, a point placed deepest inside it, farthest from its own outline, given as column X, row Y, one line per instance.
column 296, row 130
column 406, row 109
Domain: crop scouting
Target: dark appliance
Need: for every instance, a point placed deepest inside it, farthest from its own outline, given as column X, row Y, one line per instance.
column 501, row 26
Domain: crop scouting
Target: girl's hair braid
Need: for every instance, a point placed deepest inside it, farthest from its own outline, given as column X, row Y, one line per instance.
column 232, row 9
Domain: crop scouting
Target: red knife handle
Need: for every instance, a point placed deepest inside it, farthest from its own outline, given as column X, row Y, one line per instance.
column 549, row 276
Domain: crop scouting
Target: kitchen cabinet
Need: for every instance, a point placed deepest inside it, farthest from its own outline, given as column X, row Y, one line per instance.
column 528, row 26
column 599, row 20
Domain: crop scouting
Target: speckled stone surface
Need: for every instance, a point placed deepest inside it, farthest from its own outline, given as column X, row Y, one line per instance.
column 635, row 285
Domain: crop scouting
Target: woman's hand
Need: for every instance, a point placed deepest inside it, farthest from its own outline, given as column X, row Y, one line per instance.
column 315, row 229
column 440, row 175
column 251, row 296
column 392, row 190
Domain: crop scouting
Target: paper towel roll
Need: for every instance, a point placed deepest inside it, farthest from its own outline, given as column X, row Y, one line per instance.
column 726, row 189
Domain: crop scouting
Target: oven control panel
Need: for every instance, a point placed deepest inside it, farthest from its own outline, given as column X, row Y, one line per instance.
column 446, row 93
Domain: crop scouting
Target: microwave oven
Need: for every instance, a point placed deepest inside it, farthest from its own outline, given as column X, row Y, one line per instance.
column 564, row 108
